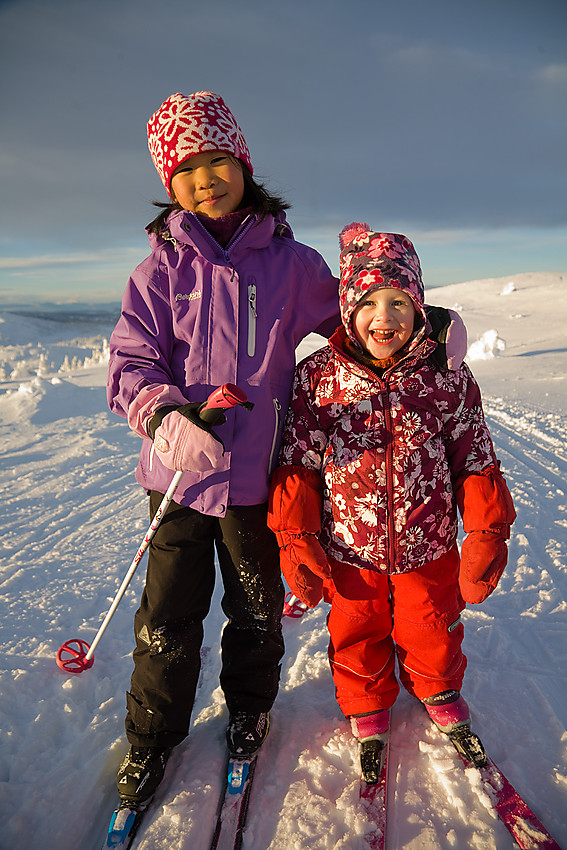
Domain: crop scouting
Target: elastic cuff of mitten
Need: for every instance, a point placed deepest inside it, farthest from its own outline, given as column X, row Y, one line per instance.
column 288, row 538
column 502, row 532
column 148, row 401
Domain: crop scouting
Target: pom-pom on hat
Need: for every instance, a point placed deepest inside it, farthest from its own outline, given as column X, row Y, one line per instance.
column 184, row 126
column 369, row 261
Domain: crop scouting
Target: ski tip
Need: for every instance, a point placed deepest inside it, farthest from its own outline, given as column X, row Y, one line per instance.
column 239, row 772
column 123, row 826
column 237, row 776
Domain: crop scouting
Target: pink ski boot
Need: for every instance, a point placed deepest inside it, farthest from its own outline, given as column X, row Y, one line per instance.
column 368, row 727
column 450, row 713
column 448, row 710
column 372, row 730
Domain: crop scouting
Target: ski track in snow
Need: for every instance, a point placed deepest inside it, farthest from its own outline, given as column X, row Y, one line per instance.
column 72, row 518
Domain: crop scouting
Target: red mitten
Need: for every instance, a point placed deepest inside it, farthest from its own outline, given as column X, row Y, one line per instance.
column 294, row 515
column 305, row 566
column 485, row 502
column 487, row 509
column 484, row 555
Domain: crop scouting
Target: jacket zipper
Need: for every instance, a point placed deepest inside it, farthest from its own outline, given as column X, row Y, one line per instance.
column 389, row 480
column 277, row 408
column 384, row 393
column 252, row 316
column 247, row 224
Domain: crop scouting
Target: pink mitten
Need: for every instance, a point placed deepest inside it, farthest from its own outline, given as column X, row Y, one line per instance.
column 183, row 445
column 456, row 341
column 448, row 330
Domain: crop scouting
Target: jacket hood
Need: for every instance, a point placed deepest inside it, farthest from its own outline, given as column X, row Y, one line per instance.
column 370, row 261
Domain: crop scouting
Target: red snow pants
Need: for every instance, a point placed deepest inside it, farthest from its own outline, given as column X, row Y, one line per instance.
column 375, row 618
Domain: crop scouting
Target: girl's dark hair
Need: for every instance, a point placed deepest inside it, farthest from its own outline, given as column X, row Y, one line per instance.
column 255, row 195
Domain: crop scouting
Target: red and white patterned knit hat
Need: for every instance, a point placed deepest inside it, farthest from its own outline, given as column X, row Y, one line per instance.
column 185, row 126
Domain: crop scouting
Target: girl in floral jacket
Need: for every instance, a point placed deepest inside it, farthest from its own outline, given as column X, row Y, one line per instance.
column 381, row 447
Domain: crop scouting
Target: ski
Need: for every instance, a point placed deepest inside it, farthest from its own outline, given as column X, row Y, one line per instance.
column 231, row 819
column 527, row 830
column 518, row 818
column 374, row 799
column 124, row 825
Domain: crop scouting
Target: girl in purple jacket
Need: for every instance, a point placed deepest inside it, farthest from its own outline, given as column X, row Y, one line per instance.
column 381, row 447
column 226, row 295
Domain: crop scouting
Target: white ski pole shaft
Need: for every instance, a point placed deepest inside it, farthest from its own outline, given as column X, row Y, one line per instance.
column 137, row 558
column 71, row 655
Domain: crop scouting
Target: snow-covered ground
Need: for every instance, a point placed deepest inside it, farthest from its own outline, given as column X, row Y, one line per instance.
column 71, row 519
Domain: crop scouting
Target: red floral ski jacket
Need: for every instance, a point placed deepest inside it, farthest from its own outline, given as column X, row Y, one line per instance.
column 391, row 451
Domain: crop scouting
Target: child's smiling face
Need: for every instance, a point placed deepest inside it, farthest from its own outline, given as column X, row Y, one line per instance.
column 383, row 321
column 211, row 183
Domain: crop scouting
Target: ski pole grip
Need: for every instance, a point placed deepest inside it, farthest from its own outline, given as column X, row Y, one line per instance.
column 223, row 398
column 211, row 415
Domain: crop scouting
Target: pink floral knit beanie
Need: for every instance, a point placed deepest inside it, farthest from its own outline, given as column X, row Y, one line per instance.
column 187, row 125
column 370, row 261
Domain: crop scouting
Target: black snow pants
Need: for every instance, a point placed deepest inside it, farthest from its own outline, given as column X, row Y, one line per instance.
column 176, row 599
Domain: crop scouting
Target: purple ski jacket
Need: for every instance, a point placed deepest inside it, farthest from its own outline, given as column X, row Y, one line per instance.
column 195, row 316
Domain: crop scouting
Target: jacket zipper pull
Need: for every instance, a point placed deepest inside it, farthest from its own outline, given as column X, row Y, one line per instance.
column 252, row 315
column 230, row 264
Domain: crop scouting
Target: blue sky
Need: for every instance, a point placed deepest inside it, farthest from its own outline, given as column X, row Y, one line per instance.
column 445, row 120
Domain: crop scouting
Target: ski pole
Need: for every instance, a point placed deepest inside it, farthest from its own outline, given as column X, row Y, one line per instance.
column 76, row 655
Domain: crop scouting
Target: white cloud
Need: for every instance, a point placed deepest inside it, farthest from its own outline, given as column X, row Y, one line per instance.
column 46, row 260
column 553, row 74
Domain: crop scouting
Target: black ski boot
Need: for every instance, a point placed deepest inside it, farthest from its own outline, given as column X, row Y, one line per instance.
column 372, row 755
column 468, row 745
column 140, row 773
column 246, row 733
